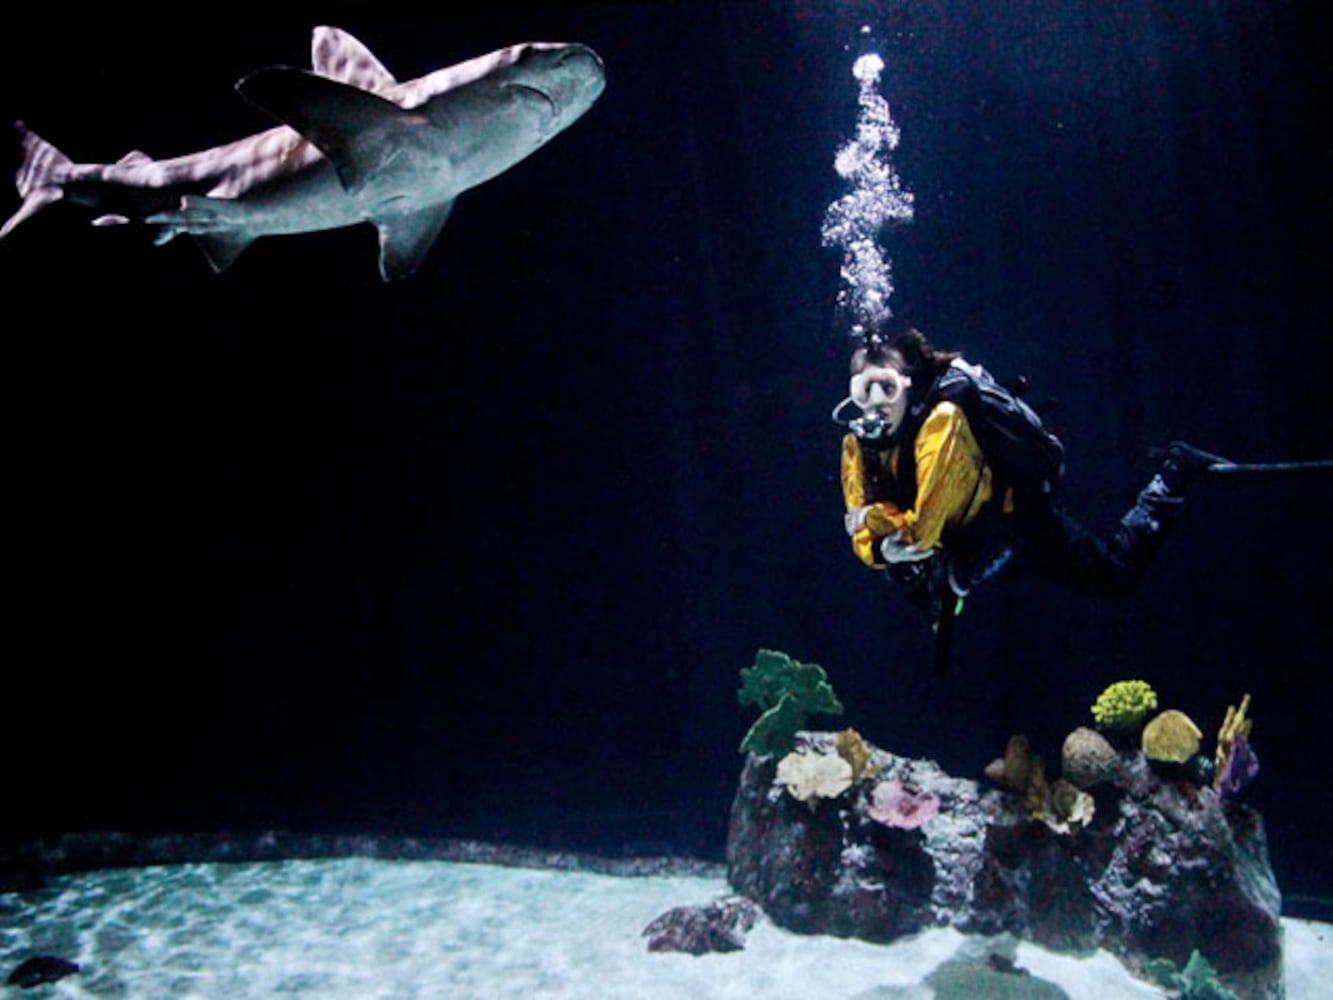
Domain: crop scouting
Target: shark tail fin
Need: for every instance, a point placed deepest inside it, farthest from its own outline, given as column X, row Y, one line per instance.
column 39, row 177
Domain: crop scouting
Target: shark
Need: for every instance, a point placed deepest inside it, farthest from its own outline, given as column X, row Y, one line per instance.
column 353, row 145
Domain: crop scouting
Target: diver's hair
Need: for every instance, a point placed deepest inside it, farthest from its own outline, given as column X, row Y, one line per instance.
column 910, row 352
column 920, row 359
column 878, row 354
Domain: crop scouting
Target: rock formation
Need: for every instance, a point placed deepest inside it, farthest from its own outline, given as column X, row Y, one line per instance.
column 1164, row 867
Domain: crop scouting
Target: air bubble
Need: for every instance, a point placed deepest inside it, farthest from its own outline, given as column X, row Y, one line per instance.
column 875, row 199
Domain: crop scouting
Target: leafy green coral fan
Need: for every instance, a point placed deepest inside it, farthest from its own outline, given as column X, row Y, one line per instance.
column 1124, row 705
column 1196, row 981
column 787, row 691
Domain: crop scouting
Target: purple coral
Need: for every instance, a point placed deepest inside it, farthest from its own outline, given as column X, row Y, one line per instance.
column 902, row 806
column 1241, row 767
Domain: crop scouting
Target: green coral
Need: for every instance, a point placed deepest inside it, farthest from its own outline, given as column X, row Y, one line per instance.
column 1124, row 705
column 787, row 691
column 1196, row 981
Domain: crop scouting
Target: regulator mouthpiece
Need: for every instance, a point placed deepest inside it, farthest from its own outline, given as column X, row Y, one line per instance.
column 869, row 426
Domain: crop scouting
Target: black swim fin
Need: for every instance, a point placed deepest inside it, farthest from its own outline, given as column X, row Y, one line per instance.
column 1183, row 464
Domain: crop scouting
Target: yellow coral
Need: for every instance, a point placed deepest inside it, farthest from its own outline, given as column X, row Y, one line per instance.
column 1233, row 725
column 1124, row 704
column 1171, row 736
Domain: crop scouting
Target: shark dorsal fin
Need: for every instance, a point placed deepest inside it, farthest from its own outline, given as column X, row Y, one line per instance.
column 337, row 55
column 348, row 125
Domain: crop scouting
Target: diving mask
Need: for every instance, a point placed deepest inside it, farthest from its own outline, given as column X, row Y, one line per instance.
column 880, row 393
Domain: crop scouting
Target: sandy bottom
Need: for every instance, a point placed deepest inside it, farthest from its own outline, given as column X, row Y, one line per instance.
column 362, row 928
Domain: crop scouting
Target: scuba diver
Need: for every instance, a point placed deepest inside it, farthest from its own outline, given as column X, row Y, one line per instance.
column 949, row 479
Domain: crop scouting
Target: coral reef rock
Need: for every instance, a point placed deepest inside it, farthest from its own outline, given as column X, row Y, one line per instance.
column 1087, row 758
column 717, row 926
column 1162, row 869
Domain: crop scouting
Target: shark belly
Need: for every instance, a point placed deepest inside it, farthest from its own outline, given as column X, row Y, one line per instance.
column 310, row 200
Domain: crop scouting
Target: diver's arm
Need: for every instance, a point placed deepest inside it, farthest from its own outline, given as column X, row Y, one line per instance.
column 952, row 479
column 952, row 483
column 866, row 522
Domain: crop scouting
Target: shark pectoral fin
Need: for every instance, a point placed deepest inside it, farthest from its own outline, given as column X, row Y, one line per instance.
column 348, row 125
column 222, row 249
column 405, row 239
column 215, row 224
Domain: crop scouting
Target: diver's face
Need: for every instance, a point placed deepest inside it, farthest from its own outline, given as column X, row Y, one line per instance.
column 881, row 391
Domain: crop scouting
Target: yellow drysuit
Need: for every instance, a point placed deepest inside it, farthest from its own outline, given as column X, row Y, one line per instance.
column 953, row 483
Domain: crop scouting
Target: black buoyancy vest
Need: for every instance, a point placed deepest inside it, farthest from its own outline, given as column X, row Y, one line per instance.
column 1022, row 454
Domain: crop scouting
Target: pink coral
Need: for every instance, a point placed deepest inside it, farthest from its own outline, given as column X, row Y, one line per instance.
column 901, row 805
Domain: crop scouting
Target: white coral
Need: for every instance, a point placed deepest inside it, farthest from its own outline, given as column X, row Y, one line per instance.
column 814, row 775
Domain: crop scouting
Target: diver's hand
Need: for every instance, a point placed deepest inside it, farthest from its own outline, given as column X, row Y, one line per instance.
column 895, row 549
column 854, row 520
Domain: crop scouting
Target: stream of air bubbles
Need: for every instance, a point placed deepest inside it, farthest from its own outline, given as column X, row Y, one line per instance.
column 875, row 199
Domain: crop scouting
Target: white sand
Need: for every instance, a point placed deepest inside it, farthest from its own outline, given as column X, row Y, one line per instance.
column 360, row 928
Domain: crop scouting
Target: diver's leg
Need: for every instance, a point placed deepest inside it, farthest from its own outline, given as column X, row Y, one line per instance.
column 1139, row 534
column 1060, row 549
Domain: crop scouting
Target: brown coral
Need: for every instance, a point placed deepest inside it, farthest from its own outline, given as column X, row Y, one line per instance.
column 1012, row 772
column 1037, row 795
column 852, row 748
column 1069, row 809
column 1061, row 806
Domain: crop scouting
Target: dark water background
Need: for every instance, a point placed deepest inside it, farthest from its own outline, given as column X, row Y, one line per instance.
column 482, row 553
